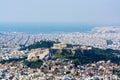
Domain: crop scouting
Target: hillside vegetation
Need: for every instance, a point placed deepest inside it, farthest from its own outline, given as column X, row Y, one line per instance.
column 41, row 44
column 88, row 56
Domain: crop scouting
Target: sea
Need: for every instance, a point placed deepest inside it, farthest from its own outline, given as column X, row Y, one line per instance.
column 47, row 28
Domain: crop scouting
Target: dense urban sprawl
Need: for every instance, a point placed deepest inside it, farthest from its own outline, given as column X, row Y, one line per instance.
column 58, row 69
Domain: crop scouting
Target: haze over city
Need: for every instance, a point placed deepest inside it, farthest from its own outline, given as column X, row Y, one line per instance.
column 59, row 40
column 62, row 11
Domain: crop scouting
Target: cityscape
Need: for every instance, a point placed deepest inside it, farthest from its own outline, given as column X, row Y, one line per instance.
column 24, row 56
column 59, row 39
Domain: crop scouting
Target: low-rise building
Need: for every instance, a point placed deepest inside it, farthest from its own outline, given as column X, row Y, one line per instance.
column 59, row 45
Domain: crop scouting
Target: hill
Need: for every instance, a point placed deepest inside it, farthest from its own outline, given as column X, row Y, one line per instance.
column 81, row 56
column 107, row 29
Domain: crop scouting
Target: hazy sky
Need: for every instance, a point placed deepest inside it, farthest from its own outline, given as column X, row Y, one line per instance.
column 60, row 11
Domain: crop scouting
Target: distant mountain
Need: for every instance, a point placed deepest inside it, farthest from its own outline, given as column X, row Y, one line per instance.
column 108, row 29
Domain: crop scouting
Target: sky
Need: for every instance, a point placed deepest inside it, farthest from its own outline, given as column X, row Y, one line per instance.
column 60, row 11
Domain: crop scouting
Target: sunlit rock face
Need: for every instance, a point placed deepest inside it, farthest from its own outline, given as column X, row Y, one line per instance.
column 38, row 53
